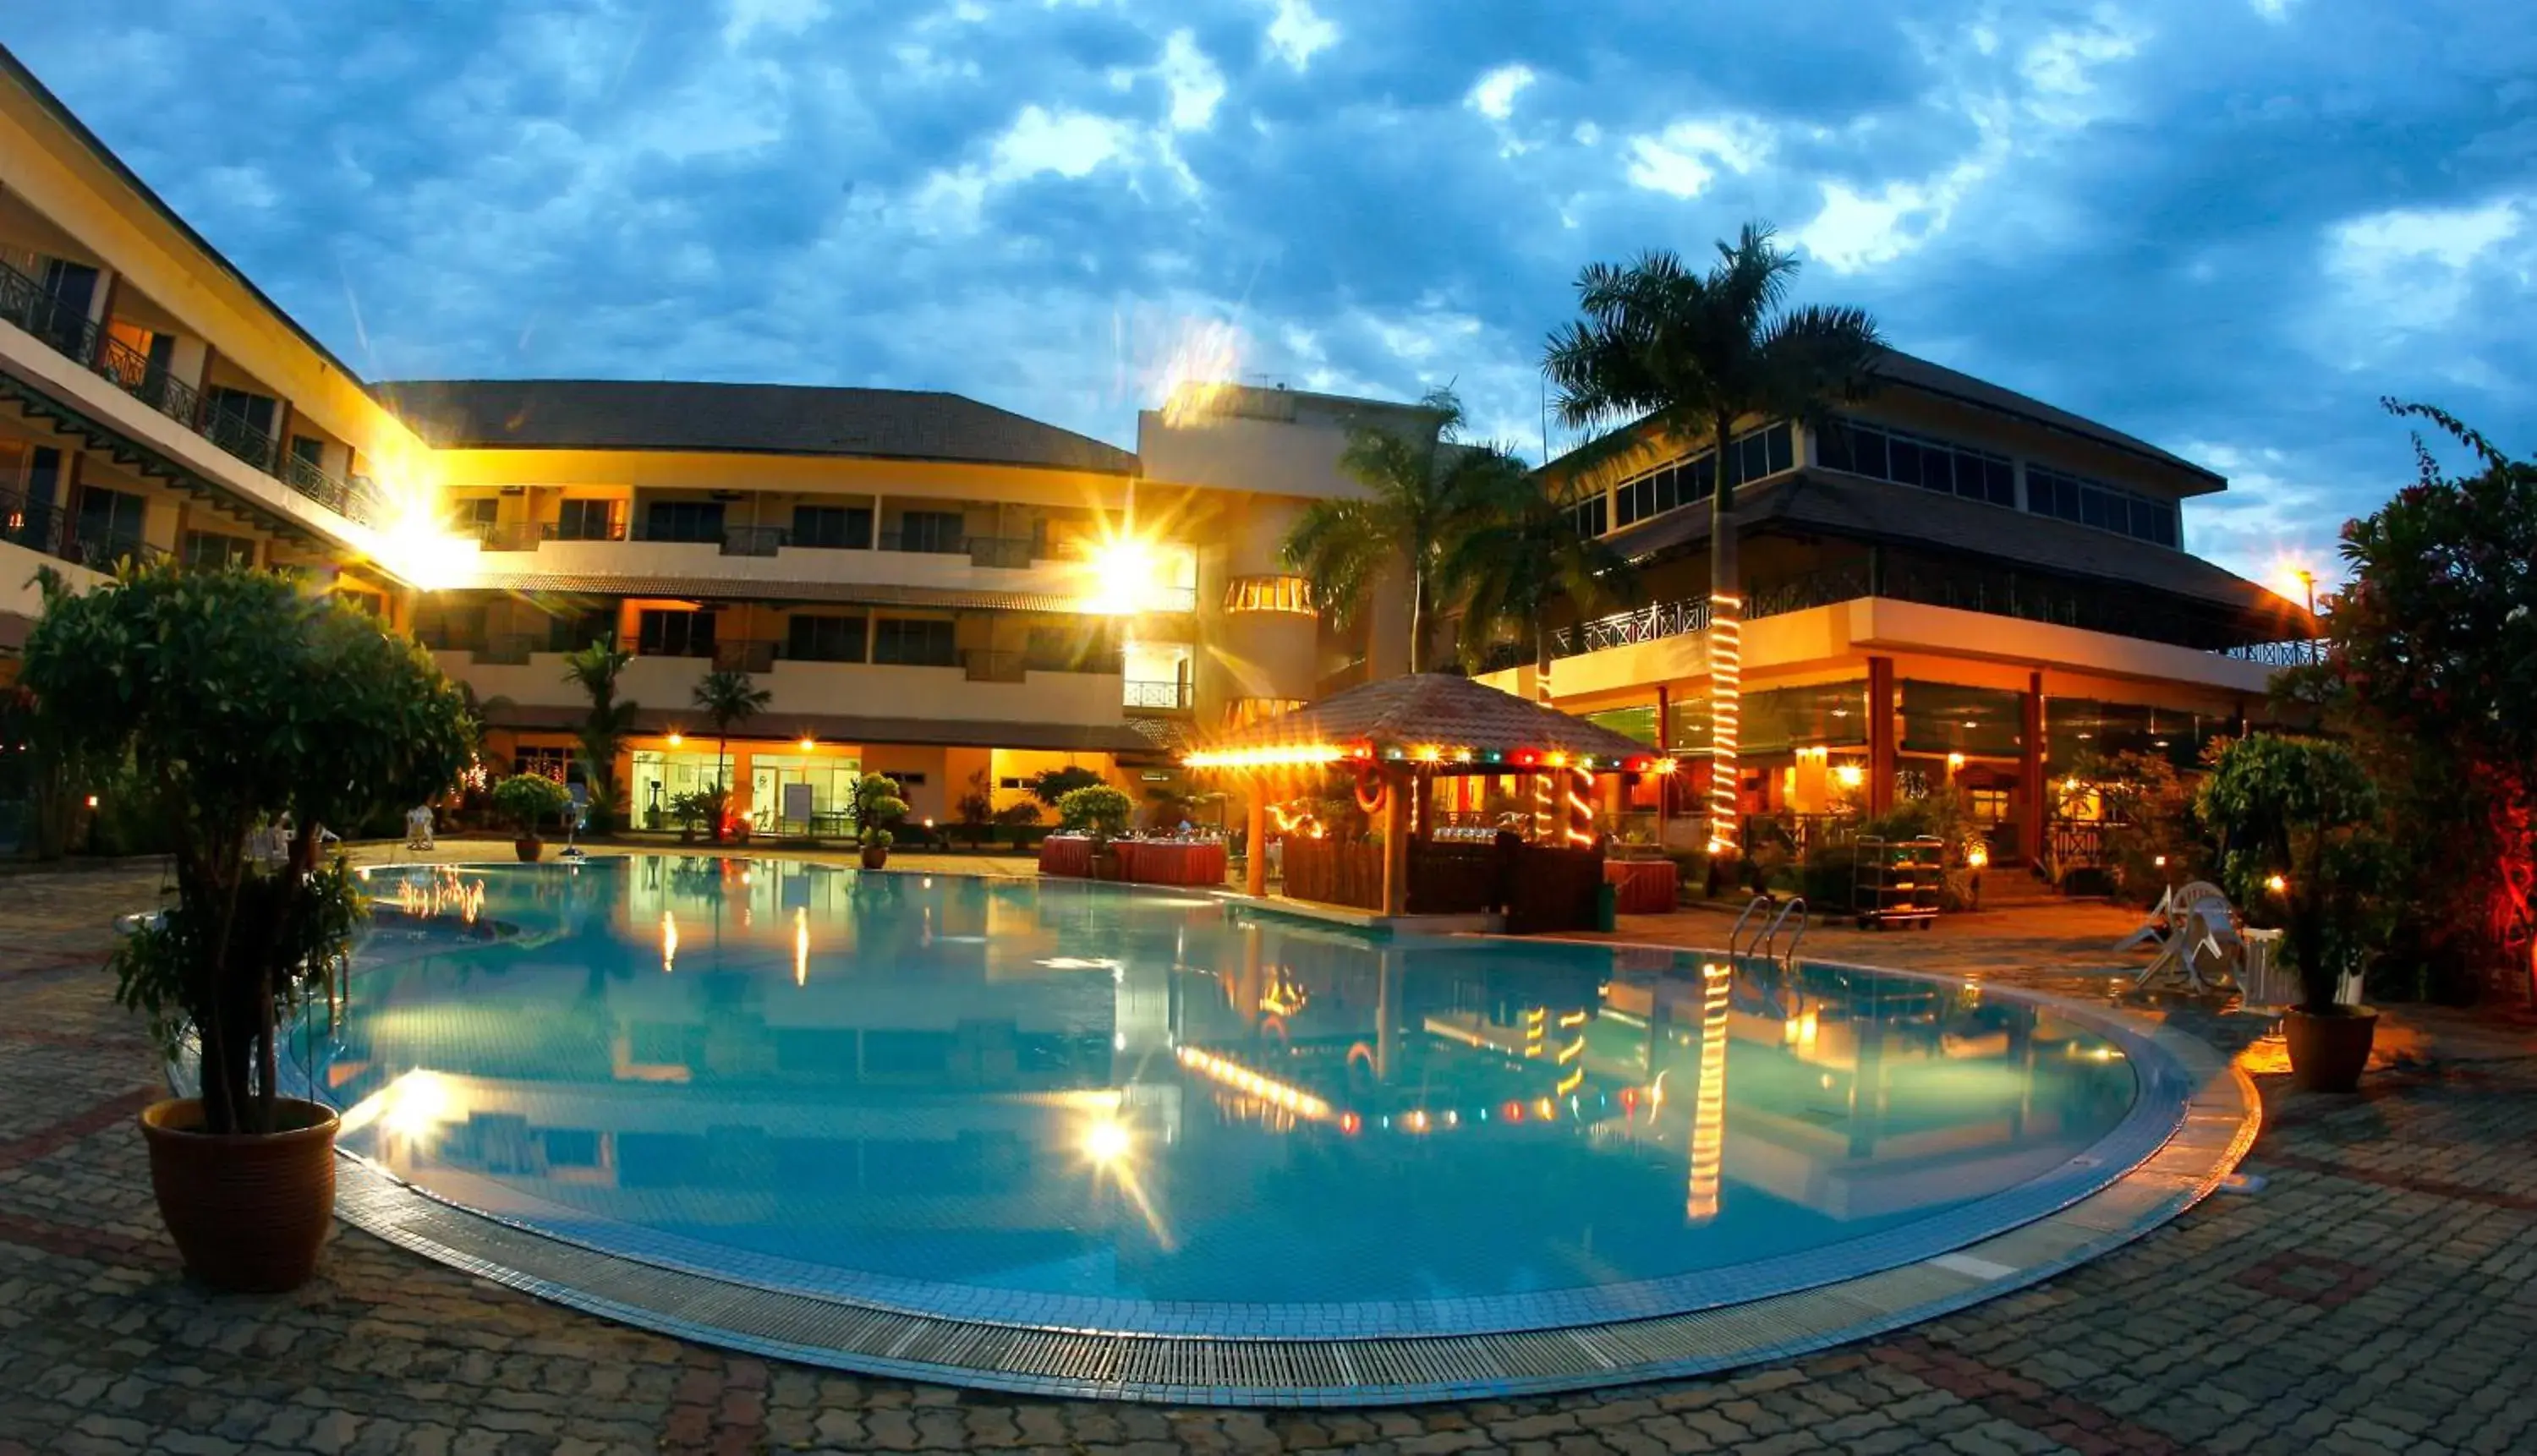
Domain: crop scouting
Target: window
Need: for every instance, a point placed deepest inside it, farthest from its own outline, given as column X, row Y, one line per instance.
column 480, row 513
column 683, row 520
column 1681, row 482
column 931, row 531
column 812, row 639
column 2051, row 492
column 913, row 642
column 202, row 549
column 588, row 520
column 109, row 523
column 676, row 634
column 1290, row 594
column 44, row 475
column 846, row 528
column 569, row 630
column 1865, row 449
column 244, row 407
column 1244, row 711
column 1592, row 517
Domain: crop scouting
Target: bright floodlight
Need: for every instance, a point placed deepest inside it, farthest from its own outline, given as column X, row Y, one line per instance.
column 1123, row 572
column 1108, row 1141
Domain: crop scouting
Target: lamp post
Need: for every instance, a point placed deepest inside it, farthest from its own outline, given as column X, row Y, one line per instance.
column 2308, row 583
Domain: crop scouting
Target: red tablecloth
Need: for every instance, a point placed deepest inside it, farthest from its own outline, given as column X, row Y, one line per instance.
column 1142, row 862
column 1641, row 887
column 1068, row 857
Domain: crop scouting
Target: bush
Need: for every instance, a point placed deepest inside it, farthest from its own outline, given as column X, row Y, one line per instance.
column 1052, row 787
column 1098, row 811
column 878, row 806
column 2301, row 849
column 527, row 802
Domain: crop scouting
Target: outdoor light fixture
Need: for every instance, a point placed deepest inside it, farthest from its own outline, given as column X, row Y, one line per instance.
column 677, row 738
column 1851, row 775
column 1107, row 1141
column 808, row 742
column 2276, row 884
column 1977, row 857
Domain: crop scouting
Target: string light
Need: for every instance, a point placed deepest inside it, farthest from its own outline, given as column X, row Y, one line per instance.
column 1725, row 700
column 1709, row 1100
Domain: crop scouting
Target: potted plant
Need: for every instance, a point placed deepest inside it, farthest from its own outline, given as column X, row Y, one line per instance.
column 2300, row 851
column 877, row 806
column 528, row 800
column 1101, row 814
column 252, row 705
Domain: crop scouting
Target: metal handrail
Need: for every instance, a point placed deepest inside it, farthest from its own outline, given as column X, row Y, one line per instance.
column 1796, row 905
column 1735, row 936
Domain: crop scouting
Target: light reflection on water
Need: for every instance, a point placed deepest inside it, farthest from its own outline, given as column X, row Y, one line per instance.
column 1078, row 1091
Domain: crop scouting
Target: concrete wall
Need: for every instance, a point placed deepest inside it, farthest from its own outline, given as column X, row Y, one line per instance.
column 841, row 689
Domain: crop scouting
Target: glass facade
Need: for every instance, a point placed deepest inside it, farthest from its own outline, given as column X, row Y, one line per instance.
column 1638, row 724
column 2068, row 497
column 1831, row 715
column 2076, row 729
column 1865, row 449
column 1681, row 482
column 1945, row 717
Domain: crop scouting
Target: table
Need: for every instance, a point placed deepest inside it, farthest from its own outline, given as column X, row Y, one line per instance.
column 1144, row 862
column 1641, row 887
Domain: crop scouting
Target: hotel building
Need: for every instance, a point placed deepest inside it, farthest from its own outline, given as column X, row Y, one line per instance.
column 1961, row 583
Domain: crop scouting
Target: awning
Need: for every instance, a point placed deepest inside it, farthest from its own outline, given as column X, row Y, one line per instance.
column 1429, row 718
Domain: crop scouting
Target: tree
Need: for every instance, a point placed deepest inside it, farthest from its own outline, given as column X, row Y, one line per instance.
column 878, row 806
column 1507, row 564
column 1100, row 811
column 2298, row 848
column 1418, row 489
column 244, row 702
column 1691, row 354
column 729, row 697
column 595, row 670
column 529, row 801
column 977, row 808
column 1054, row 784
column 2431, row 671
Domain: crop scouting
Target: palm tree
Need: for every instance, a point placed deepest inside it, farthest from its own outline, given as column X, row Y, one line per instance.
column 1518, row 554
column 1692, row 353
column 729, row 697
column 595, row 670
column 1419, row 488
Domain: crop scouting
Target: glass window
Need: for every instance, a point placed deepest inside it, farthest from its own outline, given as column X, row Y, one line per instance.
column 254, row 411
column 588, row 520
column 110, row 520
column 1592, row 516
column 202, row 549
column 932, row 531
column 824, row 639
column 676, row 634
column 1944, row 718
column 843, row 528
column 1630, row 722
column 1287, row 593
column 914, row 642
column 1828, row 714
column 683, row 520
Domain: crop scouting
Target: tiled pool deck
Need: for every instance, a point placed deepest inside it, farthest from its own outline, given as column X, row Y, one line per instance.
column 2376, row 1295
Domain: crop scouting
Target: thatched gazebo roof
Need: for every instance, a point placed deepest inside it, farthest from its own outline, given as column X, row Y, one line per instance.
column 1433, row 720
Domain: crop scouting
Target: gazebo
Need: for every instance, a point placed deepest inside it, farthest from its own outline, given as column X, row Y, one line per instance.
column 1399, row 736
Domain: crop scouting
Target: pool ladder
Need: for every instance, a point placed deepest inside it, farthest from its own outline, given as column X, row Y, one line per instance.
column 1765, row 932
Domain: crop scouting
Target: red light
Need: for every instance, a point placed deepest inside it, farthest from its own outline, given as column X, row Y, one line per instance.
column 1514, row 1112
column 1629, row 1099
column 1527, row 758
column 1635, row 765
column 1350, row 1122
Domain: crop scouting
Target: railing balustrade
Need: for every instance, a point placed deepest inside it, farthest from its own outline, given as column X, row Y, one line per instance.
column 752, row 541
column 985, row 665
column 924, row 542
column 1006, row 552
column 1155, row 695
column 742, row 654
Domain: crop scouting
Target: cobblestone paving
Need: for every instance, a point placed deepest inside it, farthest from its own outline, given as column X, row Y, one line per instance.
column 2378, row 1294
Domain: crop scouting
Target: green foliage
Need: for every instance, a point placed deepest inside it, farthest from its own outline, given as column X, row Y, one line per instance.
column 2304, row 809
column 529, row 801
column 2431, row 674
column 1056, row 783
column 700, row 808
column 977, row 808
column 1100, row 811
column 877, row 806
column 1516, row 558
column 602, row 733
column 243, row 700
column 1423, row 486
column 728, row 697
column 2151, row 806
column 1019, row 814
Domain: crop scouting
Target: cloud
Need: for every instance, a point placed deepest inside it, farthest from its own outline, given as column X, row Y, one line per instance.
column 1680, row 161
column 1196, row 84
column 1493, row 95
column 1298, row 32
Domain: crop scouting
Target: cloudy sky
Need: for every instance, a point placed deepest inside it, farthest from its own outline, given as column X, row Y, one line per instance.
column 2226, row 225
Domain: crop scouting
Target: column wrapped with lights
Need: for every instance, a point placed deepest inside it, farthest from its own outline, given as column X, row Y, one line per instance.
column 1726, row 718
column 1545, row 791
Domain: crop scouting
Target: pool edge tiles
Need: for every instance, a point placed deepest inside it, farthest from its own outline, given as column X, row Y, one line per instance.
column 1284, row 1357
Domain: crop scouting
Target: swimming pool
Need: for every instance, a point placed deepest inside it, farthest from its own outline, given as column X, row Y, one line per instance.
column 1084, row 1107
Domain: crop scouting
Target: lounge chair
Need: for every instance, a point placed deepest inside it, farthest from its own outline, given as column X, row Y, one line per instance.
column 2202, row 948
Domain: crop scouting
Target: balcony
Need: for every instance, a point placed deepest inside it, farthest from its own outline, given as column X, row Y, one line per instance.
column 53, row 532
column 1153, row 696
column 68, row 332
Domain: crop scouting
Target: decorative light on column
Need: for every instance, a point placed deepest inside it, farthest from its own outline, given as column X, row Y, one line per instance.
column 1726, row 717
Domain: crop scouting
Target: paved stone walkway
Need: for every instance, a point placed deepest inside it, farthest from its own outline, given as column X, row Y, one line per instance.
column 2378, row 1294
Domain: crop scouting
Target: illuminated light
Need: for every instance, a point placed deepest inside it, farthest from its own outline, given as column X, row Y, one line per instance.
column 801, row 946
column 1453, row 1118
column 677, row 738
column 1461, row 755
column 1850, row 775
column 1418, row 1122
column 669, row 942
column 1430, row 753
column 1955, row 760
column 1571, row 1082
column 1240, row 1078
column 2160, row 861
column 1709, row 1100
column 1394, row 752
column 1108, row 1141
column 1525, row 758
column 92, row 801
column 417, row 1103
column 1546, row 1109
column 808, row 743
column 1198, row 370
column 2276, row 883
column 1277, row 756
column 1350, row 1122
column 1513, row 1111
column 2070, row 785
column 1977, row 856
column 1557, row 760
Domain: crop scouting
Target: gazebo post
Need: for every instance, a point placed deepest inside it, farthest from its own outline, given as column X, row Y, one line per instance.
column 1396, row 842
column 1255, row 859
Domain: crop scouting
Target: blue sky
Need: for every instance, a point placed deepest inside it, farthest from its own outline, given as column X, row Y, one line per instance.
column 2226, row 225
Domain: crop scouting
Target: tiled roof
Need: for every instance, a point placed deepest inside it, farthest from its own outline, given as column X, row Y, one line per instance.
column 1433, row 708
column 952, row 732
column 725, row 589
column 744, row 419
column 1913, row 372
column 1877, row 510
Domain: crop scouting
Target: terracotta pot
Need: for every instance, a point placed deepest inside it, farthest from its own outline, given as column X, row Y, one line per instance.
column 2328, row 1051
column 529, row 846
column 876, row 855
column 1106, row 866
column 248, row 1213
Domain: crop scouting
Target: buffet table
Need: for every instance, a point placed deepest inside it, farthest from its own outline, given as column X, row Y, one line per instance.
column 1641, row 887
column 1144, row 862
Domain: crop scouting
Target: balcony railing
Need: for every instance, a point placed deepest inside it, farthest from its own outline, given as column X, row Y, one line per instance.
column 527, row 536
column 2298, row 653
column 1167, row 695
column 924, row 542
column 69, row 333
column 983, row 666
column 1647, row 625
column 1009, row 553
column 512, row 649
column 752, row 541
column 743, row 656
column 54, row 532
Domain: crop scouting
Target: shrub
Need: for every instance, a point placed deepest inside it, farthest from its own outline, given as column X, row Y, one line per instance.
column 1098, row 811
column 1052, row 787
column 2299, row 814
column 876, row 807
column 529, row 801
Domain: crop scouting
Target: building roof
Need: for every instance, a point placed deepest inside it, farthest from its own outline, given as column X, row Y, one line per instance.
column 1440, row 709
column 1875, row 510
column 829, row 728
column 742, row 418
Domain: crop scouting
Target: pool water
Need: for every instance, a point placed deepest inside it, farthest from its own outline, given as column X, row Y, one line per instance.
column 1009, row 1097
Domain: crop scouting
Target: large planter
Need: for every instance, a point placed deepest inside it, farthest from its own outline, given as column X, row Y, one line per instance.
column 2328, row 1051
column 529, row 846
column 876, row 855
column 249, row 1213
